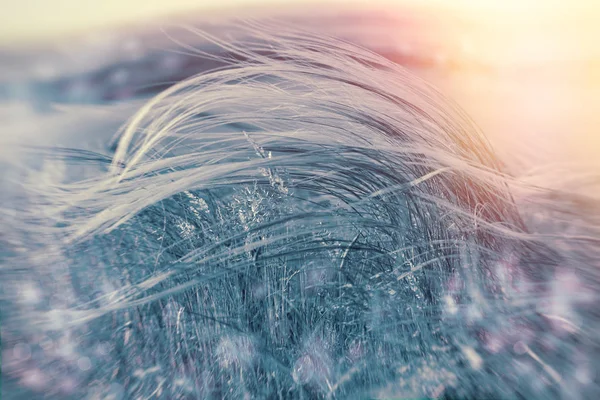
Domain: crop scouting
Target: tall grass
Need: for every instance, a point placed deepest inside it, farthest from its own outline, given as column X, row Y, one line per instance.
column 308, row 221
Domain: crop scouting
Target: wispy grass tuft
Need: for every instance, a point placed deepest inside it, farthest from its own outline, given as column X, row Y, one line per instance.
column 309, row 221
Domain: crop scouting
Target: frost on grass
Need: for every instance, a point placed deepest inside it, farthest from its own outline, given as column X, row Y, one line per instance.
column 310, row 221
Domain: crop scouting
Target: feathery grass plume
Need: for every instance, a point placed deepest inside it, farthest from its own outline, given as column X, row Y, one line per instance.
column 307, row 221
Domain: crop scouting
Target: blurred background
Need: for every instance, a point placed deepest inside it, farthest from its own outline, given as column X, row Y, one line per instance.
column 526, row 71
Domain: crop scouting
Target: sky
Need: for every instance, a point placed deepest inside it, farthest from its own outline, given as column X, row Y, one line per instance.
column 27, row 20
